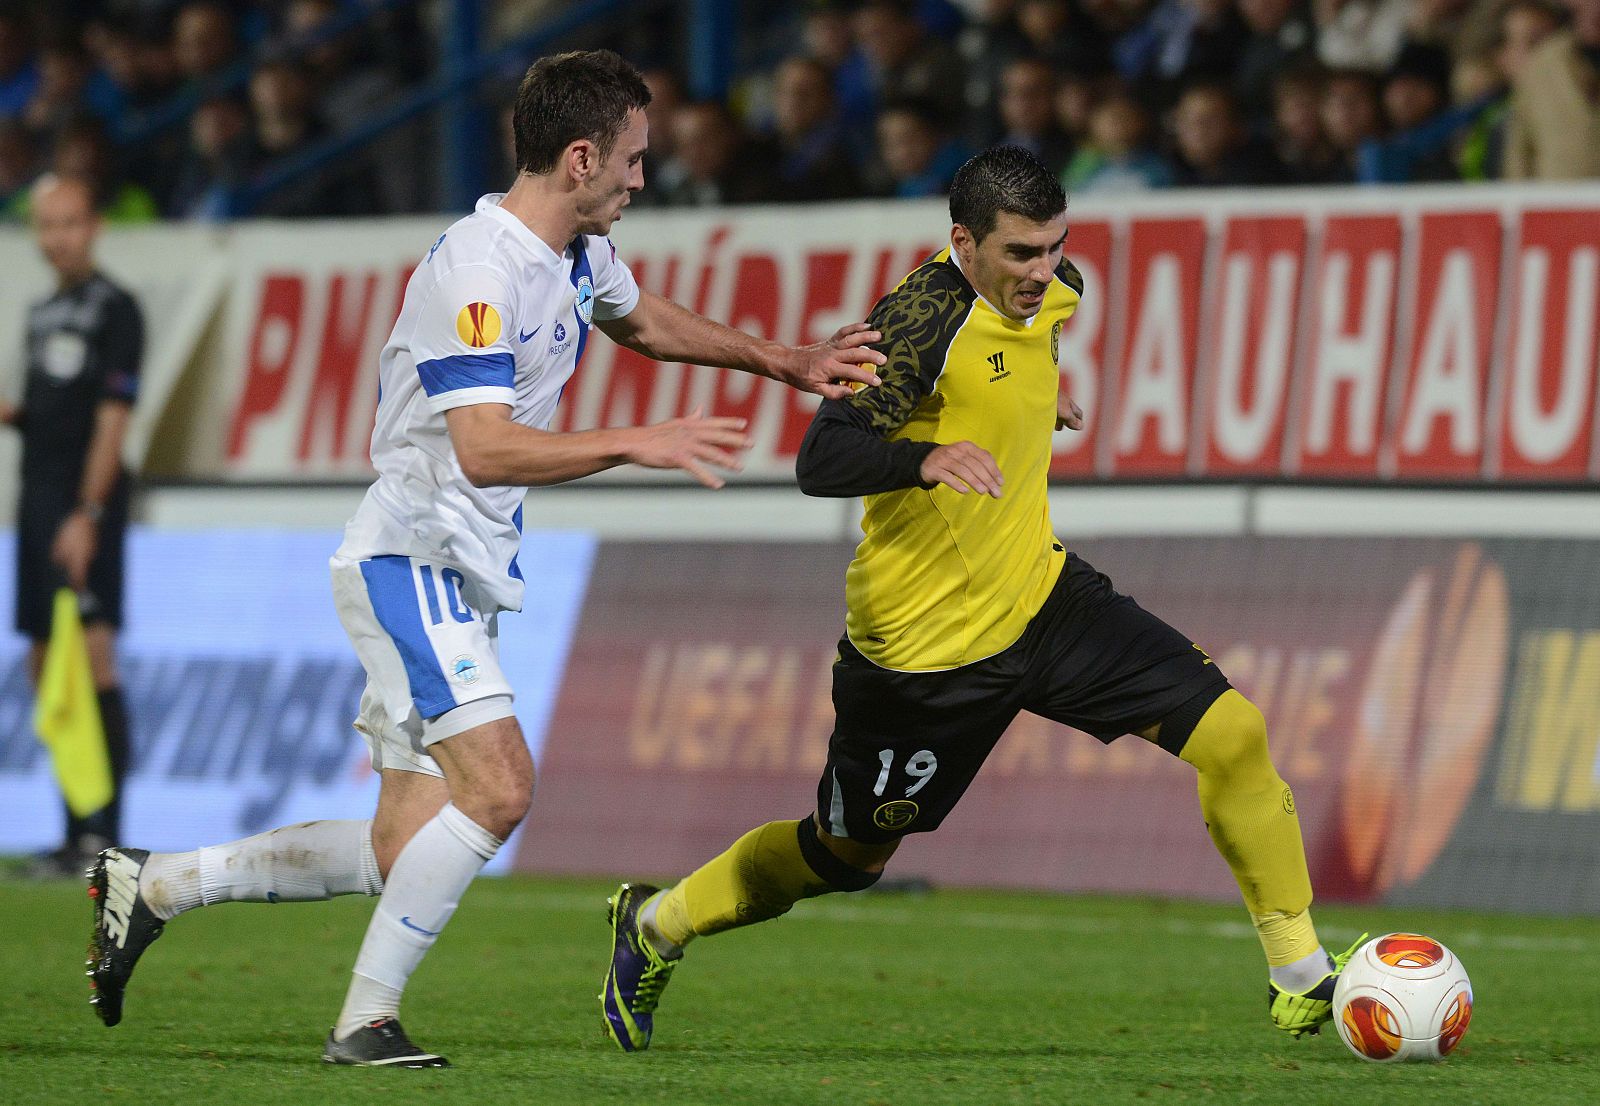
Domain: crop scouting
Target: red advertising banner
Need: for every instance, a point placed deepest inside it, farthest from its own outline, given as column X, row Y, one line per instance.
column 1154, row 377
column 1430, row 701
column 1548, row 395
column 1341, row 417
column 1441, row 415
column 1253, row 338
column 1420, row 335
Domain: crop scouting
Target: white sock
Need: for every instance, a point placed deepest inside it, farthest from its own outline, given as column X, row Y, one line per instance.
column 647, row 926
column 1304, row 974
column 307, row 862
column 425, row 884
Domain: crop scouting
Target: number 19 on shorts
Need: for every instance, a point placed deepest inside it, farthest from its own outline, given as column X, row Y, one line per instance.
column 920, row 766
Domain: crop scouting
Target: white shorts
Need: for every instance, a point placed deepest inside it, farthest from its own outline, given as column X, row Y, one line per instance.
column 429, row 652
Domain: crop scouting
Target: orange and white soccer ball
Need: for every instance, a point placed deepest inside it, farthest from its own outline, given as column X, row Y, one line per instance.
column 1403, row 996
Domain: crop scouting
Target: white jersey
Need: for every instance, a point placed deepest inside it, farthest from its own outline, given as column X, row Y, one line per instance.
column 491, row 315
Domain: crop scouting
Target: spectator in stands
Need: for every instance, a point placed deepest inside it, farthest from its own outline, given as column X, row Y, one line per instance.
column 915, row 154
column 1213, row 147
column 1056, row 32
column 83, row 152
column 19, row 73
column 68, row 87
column 350, row 79
column 826, row 34
column 1118, row 156
column 203, row 40
column 1077, row 95
column 1281, row 36
column 1302, row 148
column 1478, row 149
column 1524, row 24
column 897, row 59
column 1028, row 113
column 815, row 158
column 1554, row 131
column 19, row 164
column 216, row 163
column 1181, row 42
column 286, row 125
column 666, row 97
column 1420, row 129
column 714, row 163
column 1360, row 34
column 990, row 40
column 1350, row 116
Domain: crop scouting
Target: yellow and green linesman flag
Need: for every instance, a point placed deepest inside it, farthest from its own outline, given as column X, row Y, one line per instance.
column 67, row 714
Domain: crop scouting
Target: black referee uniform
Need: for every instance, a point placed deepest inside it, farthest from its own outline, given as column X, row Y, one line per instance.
column 84, row 346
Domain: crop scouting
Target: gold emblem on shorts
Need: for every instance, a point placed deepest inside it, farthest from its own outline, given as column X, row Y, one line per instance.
column 1288, row 801
column 895, row 815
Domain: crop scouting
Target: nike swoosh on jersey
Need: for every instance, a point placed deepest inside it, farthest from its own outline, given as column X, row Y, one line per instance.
column 409, row 924
column 524, row 337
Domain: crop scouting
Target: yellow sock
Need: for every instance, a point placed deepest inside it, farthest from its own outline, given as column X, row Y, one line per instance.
column 761, row 876
column 1250, row 815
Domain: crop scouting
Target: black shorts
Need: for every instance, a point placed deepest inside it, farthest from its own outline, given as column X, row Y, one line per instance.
column 39, row 518
column 906, row 745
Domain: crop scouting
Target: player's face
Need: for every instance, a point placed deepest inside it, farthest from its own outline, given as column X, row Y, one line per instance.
column 615, row 179
column 1013, row 266
column 65, row 223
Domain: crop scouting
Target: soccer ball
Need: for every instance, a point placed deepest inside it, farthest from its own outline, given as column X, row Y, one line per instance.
column 1403, row 996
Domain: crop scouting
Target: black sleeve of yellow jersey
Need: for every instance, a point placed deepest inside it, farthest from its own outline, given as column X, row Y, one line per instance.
column 847, row 451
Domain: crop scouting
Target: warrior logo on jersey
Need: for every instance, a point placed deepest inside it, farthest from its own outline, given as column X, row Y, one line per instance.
column 478, row 324
column 585, row 300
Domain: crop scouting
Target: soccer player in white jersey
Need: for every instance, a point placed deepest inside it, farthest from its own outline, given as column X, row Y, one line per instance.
column 494, row 321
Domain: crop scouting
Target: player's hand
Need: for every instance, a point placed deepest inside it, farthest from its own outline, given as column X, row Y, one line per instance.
column 964, row 467
column 74, row 548
column 821, row 367
column 695, row 445
column 1069, row 416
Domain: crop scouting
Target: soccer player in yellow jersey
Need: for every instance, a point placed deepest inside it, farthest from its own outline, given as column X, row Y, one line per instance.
column 965, row 609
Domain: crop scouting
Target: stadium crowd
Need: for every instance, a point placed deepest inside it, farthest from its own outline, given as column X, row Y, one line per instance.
column 873, row 98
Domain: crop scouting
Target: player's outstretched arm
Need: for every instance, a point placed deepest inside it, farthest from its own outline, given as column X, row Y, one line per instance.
column 666, row 331
column 494, row 451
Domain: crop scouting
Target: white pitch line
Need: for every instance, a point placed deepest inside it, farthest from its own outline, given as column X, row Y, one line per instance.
column 568, row 902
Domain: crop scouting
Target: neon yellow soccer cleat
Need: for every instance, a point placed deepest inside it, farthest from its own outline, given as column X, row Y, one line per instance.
column 637, row 975
column 1308, row 1011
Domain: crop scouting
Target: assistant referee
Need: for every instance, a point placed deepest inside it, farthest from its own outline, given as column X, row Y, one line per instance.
column 84, row 344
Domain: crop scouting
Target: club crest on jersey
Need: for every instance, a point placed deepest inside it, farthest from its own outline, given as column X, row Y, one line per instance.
column 1055, row 342
column 585, row 300
column 478, row 325
column 464, row 669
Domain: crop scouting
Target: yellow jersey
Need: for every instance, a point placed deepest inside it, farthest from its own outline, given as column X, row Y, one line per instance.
column 942, row 579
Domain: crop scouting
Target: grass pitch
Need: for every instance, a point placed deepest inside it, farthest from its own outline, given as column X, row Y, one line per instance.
column 939, row 998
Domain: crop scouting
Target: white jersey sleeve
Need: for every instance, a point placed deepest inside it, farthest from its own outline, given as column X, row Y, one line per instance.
column 462, row 340
column 615, row 291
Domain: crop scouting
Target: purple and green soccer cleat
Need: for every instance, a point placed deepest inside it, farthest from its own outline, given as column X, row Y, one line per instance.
column 638, row 972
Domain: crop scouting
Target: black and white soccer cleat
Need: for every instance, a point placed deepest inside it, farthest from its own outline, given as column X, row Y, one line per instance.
column 380, row 1044
column 123, row 928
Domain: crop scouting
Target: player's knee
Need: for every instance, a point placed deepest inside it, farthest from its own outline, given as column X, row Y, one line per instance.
column 500, row 806
column 842, row 864
column 1230, row 739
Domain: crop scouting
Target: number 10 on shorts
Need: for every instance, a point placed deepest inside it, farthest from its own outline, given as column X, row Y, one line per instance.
column 920, row 766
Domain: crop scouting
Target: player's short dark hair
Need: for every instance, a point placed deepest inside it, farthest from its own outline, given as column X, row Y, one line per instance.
column 1004, row 178
column 565, row 97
